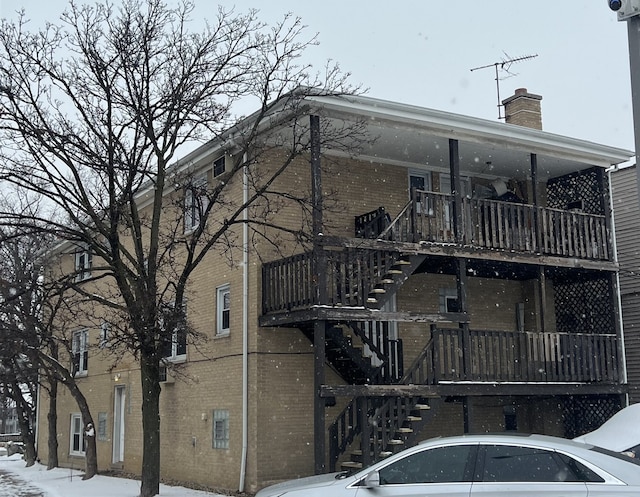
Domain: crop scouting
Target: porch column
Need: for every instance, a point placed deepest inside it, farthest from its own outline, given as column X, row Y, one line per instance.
column 318, row 262
column 461, row 284
column 319, row 431
column 542, row 292
column 605, row 202
column 456, row 189
column 537, row 229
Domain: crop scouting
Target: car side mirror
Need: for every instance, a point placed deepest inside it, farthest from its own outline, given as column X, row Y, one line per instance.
column 372, row 480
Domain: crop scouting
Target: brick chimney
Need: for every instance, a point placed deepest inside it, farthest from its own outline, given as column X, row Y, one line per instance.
column 523, row 109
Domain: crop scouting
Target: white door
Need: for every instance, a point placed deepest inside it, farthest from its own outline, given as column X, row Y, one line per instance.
column 118, row 424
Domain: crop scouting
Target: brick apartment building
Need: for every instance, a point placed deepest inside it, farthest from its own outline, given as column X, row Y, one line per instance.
column 463, row 279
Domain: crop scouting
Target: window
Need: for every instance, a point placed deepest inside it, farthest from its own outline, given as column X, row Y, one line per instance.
column 83, row 264
column 105, row 328
column 175, row 347
column 80, row 352
column 437, row 465
column 220, row 429
column 196, row 202
column 218, row 166
column 421, row 180
column 102, row 426
column 510, row 418
column 77, row 445
column 504, row 463
column 449, row 300
column 223, row 306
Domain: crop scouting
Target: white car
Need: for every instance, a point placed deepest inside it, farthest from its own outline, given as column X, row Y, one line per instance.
column 489, row 465
column 621, row 433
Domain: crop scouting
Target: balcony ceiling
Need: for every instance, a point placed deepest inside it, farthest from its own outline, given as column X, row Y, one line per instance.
column 417, row 137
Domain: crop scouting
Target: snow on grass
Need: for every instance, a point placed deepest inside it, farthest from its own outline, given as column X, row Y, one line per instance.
column 61, row 482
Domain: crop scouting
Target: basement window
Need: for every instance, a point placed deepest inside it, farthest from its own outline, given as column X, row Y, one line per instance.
column 220, row 429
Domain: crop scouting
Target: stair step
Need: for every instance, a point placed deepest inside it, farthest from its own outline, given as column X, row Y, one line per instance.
column 395, row 441
column 352, row 464
column 423, row 407
column 387, row 281
column 404, row 430
column 396, row 271
column 402, row 262
column 378, row 290
column 414, row 418
column 386, row 453
column 372, row 300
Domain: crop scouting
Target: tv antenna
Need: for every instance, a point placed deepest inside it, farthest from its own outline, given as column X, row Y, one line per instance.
column 504, row 65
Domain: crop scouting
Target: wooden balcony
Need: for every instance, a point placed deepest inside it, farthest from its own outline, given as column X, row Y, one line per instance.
column 510, row 356
column 350, row 274
column 493, row 224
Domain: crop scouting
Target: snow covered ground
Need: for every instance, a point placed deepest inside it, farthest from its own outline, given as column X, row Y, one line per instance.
column 36, row 481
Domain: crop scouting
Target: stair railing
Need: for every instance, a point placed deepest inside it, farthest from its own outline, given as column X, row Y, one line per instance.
column 371, row 224
column 385, row 417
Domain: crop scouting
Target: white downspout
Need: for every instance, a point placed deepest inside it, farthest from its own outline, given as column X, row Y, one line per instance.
column 245, row 325
column 618, row 293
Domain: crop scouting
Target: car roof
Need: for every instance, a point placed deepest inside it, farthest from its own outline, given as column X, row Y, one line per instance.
column 511, row 438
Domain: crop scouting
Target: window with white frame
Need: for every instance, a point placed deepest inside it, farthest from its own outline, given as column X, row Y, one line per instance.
column 220, row 429
column 80, row 352
column 196, row 201
column 82, row 264
column 223, row 306
column 175, row 346
column 77, row 442
column 219, row 166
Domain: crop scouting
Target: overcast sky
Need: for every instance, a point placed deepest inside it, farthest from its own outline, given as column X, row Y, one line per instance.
column 421, row 52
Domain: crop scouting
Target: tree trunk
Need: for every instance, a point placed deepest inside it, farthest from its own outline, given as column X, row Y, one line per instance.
column 90, row 457
column 150, row 377
column 52, row 425
column 24, row 412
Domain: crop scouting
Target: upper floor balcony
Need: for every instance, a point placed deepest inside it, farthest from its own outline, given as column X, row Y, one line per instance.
column 430, row 217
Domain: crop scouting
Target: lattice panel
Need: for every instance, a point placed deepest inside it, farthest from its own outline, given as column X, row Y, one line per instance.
column 584, row 414
column 584, row 306
column 580, row 190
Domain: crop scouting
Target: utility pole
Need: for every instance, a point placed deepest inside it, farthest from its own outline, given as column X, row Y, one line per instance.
column 629, row 11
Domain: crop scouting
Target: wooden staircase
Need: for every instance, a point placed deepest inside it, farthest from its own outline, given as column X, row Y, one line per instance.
column 389, row 424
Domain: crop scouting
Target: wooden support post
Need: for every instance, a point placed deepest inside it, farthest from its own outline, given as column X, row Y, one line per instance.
column 456, row 187
column 461, row 284
column 320, row 326
column 542, row 291
column 319, row 256
column 603, row 186
column 366, row 431
column 537, row 228
column 319, row 431
column 466, row 414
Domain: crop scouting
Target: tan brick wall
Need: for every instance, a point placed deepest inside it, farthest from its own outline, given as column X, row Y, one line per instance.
column 280, row 360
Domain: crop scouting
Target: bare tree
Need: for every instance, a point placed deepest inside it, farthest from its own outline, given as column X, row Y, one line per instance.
column 93, row 113
column 31, row 332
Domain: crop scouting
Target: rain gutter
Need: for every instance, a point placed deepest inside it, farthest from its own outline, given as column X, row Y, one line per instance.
column 619, row 290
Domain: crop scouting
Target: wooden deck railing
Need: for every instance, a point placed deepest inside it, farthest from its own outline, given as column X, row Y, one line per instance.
column 429, row 216
column 349, row 275
column 505, row 356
